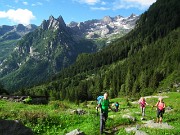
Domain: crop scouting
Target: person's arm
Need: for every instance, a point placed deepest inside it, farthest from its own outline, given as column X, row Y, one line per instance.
column 155, row 104
column 97, row 106
column 110, row 107
column 164, row 105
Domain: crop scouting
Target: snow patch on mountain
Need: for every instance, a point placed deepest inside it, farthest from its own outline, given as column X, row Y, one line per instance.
column 104, row 28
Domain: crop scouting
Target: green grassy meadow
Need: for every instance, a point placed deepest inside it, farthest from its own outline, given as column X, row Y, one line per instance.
column 57, row 118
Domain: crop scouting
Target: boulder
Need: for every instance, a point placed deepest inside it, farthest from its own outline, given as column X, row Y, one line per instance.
column 135, row 130
column 129, row 117
column 14, row 127
column 130, row 129
column 139, row 132
column 76, row 132
column 77, row 111
column 151, row 124
column 168, row 109
column 80, row 111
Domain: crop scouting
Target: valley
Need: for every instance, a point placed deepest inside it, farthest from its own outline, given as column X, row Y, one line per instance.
column 59, row 117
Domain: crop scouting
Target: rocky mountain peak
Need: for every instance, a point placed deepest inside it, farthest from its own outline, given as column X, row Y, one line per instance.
column 51, row 17
column 53, row 23
column 20, row 27
column 107, row 19
column 118, row 17
column 73, row 24
column 43, row 25
column 15, row 32
column 132, row 16
column 31, row 26
column 61, row 21
column 105, row 27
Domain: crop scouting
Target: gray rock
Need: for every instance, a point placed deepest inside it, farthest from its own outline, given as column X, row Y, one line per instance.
column 151, row 124
column 11, row 127
column 77, row 111
column 168, row 109
column 76, row 132
column 139, row 132
column 129, row 117
column 130, row 129
column 135, row 130
column 80, row 111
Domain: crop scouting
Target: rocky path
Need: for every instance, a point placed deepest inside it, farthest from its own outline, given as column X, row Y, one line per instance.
column 149, row 124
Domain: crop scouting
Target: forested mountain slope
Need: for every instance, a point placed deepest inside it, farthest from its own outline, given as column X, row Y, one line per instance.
column 9, row 36
column 42, row 53
column 145, row 60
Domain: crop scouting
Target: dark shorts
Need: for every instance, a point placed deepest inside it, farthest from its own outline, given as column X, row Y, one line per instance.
column 160, row 113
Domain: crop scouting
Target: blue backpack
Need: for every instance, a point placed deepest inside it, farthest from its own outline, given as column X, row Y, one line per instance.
column 99, row 99
column 117, row 104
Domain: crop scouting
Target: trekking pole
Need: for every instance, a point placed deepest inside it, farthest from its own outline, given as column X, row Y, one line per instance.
column 97, row 111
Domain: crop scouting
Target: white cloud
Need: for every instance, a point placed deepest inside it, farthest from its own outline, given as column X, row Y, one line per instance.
column 100, row 8
column 19, row 16
column 25, row 3
column 117, row 4
column 140, row 4
column 16, row 1
column 37, row 4
column 103, row 3
column 9, row 6
column 89, row 2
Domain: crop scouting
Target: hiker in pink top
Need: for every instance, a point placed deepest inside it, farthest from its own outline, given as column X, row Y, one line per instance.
column 160, row 110
column 143, row 104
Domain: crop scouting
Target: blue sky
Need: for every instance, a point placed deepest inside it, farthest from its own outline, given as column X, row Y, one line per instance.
column 26, row 12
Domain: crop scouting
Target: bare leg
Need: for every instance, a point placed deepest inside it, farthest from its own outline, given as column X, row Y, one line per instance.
column 160, row 120
column 157, row 120
column 143, row 112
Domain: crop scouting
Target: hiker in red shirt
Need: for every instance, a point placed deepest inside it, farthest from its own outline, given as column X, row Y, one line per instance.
column 160, row 110
column 143, row 104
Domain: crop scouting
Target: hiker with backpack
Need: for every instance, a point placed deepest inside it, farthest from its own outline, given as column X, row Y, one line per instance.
column 160, row 110
column 142, row 103
column 104, row 105
column 117, row 106
column 98, row 101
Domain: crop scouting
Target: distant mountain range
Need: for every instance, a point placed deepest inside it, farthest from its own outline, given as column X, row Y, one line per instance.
column 104, row 28
column 38, row 52
column 15, row 32
column 143, row 62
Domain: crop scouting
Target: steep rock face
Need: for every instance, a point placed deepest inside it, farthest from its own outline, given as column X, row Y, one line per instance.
column 10, row 35
column 53, row 23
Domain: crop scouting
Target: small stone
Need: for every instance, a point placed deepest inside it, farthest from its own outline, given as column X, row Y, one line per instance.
column 76, row 132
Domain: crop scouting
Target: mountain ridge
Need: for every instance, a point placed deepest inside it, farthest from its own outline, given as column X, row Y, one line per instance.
column 105, row 27
column 49, row 48
column 144, row 61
